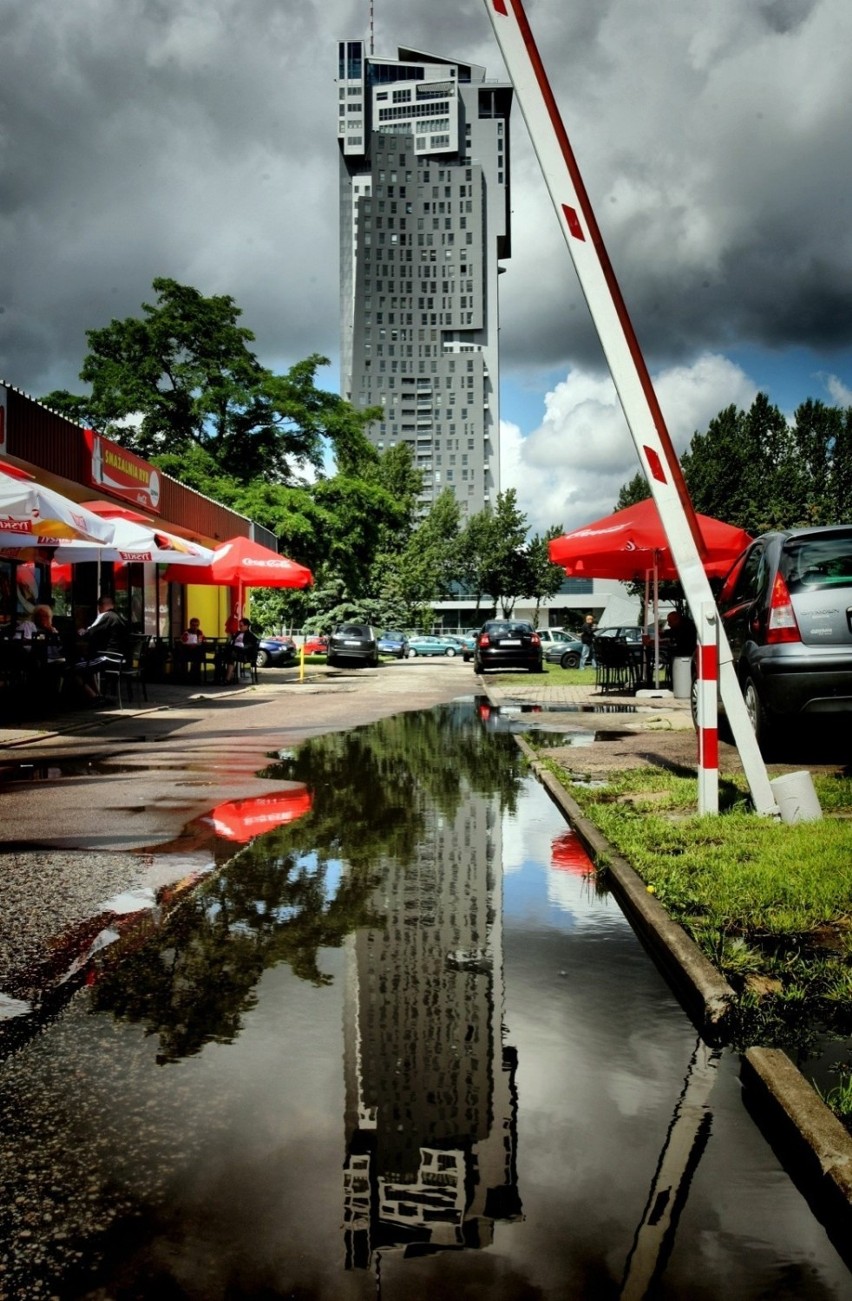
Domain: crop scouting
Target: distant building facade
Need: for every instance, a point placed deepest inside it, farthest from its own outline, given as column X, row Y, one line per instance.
column 424, row 220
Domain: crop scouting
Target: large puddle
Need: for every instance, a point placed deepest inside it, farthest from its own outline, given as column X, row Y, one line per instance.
column 398, row 1047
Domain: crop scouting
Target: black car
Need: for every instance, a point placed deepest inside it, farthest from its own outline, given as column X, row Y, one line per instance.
column 275, row 650
column 353, row 642
column 507, row 644
column 786, row 607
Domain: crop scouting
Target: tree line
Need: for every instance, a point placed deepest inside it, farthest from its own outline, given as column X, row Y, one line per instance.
column 180, row 386
column 757, row 470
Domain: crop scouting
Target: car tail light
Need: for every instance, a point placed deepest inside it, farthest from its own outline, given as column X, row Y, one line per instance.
column 535, row 640
column 782, row 624
column 482, row 640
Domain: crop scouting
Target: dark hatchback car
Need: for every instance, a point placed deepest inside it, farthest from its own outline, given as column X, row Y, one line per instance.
column 353, row 642
column 786, row 607
column 507, row 644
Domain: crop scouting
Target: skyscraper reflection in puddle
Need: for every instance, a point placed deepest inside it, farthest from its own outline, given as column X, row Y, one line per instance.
column 430, row 1092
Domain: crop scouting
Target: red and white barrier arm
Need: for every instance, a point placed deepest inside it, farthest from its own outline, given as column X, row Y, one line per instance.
column 626, row 363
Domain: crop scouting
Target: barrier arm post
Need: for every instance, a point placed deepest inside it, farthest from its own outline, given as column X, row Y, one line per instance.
column 626, row 363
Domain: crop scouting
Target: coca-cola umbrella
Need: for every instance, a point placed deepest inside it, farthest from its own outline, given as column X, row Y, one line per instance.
column 242, row 820
column 243, row 563
column 631, row 545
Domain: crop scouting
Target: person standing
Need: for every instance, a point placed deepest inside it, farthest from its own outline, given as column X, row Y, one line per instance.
column 587, row 637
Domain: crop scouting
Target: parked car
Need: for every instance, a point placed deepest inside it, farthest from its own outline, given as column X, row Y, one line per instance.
column 428, row 645
column 563, row 650
column 508, row 644
column 275, row 650
column 786, row 607
column 550, row 635
column 392, row 643
column 353, row 641
column 465, row 642
column 316, row 645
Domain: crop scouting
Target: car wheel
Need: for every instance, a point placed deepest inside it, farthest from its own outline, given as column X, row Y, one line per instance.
column 374, row 662
column 411, row 653
column 466, row 657
column 331, row 660
column 262, row 659
column 449, row 652
column 763, row 728
column 570, row 660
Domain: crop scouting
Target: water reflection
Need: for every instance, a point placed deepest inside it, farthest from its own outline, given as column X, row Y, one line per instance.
column 430, row 1092
column 399, row 1046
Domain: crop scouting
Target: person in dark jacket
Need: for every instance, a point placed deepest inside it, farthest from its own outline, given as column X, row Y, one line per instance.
column 240, row 649
column 587, row 637
column 681, row 635
column 107, row 640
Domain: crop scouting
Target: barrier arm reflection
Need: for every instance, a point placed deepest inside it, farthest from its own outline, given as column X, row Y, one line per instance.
column 684, row 1146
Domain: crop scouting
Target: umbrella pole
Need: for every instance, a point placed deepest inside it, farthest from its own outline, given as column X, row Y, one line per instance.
column 656, row 625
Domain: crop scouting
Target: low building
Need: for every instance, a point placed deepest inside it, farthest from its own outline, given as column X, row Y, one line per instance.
column 84, row 466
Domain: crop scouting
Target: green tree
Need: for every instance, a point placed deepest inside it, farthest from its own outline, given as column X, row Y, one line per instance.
column 508, row 574
column 410, row 579
column 544, row 579
column 740, row 469
column 634, row 491
column 183, row 375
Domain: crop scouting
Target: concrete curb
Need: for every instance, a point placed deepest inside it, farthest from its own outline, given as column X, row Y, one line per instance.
column 811, row 1143
column 810, row 1139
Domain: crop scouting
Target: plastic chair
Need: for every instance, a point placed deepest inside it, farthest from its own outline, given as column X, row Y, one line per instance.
column 129, row 670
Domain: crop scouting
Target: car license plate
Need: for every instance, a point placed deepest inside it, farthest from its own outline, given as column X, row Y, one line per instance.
column 511, row 641
column 351, row 643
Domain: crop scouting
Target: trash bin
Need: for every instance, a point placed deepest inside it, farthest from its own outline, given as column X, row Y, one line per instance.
column 682, row 677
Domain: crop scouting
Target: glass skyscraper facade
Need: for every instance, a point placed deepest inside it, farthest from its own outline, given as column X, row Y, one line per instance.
column 424, row 222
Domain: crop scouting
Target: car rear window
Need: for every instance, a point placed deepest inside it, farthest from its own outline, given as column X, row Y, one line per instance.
column 500, row 629
column 353, row 630
column 815, row 563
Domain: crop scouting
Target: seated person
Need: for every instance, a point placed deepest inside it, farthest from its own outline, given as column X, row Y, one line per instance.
column 106, row 641
column 191, row 654
column 681, row 636
column 48, row 650
column 241, row 648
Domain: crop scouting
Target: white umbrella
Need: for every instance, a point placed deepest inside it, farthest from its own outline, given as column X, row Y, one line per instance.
column 29, row 512
column 134, row 543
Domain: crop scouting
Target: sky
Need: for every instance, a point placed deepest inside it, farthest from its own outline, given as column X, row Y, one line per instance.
column 195, row 139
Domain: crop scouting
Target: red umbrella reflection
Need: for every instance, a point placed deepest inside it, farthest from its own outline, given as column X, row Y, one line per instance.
column 568, row 854
column 242, row 820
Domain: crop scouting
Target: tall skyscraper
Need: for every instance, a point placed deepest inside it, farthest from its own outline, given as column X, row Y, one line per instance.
column 424, row 219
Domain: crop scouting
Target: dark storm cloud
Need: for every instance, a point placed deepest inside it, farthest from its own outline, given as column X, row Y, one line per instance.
column 195, row 139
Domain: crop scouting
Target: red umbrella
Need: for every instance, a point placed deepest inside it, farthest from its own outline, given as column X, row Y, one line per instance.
column 243, row 563
column 630, row 542
column 242, row 820
column 568, row 854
